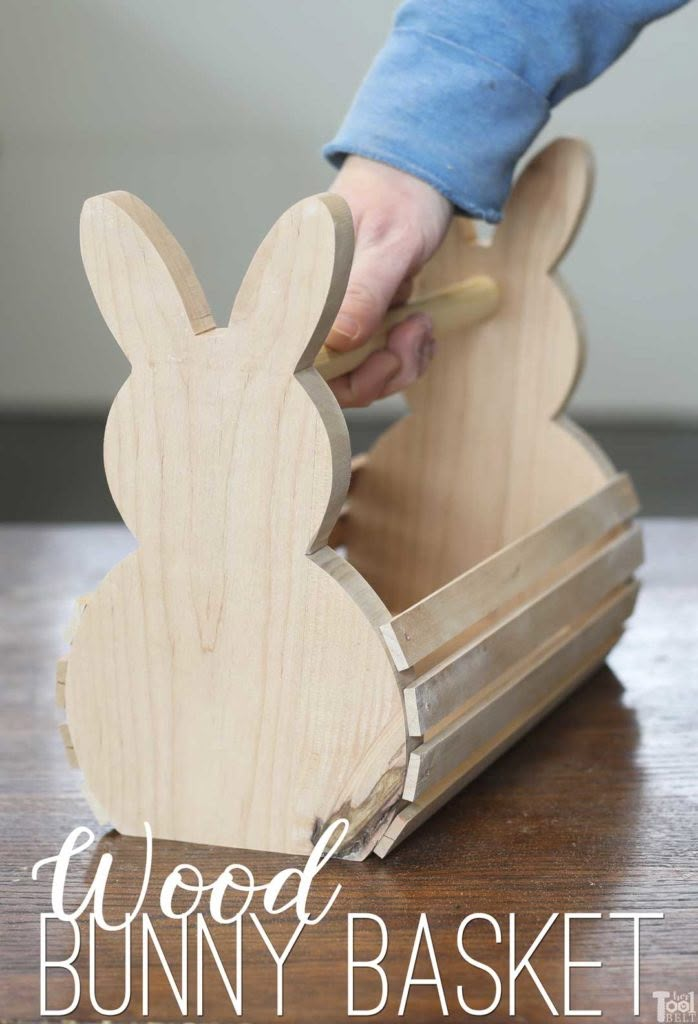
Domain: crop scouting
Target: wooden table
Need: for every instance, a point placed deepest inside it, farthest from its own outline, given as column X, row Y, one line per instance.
column 595, row 811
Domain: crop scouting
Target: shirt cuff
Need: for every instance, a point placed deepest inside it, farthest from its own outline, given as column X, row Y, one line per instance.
column 445, row 114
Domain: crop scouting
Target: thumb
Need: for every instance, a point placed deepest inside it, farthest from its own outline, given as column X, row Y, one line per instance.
column 383, row 262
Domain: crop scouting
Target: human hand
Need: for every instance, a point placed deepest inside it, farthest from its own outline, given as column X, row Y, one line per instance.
column 399, row 222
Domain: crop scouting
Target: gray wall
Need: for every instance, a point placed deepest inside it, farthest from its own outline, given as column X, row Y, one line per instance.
column 214, row 112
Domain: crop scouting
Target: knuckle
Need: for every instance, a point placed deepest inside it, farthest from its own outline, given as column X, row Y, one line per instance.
column 360, row 296
column 392, row 230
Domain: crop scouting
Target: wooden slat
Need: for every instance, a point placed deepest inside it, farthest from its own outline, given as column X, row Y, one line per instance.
column 444, row 689
column 520, row 693
column 416, row 813
column 425, row 627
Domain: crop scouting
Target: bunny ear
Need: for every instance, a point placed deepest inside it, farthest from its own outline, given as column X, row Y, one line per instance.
column 548, row 203
column 141, row 278
column 295, row 284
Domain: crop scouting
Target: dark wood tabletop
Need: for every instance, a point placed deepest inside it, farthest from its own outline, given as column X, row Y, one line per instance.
column 595, row 811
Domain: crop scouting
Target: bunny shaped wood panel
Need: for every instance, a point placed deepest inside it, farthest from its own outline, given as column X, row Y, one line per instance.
column 485, row 455
column 235, row 681
column 227, row 682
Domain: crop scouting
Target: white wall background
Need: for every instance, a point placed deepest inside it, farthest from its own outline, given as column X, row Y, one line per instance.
column 214, row 112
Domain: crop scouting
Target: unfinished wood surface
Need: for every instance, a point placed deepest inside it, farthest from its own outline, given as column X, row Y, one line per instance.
column 79, row 606
column 338, row 532
column 425, row 627
column 463, row 676
column 485, row 457
column 414, row 814
column 61, row 673
column 452, row 309
column 70, row 754
column 518, row 696
column 227, row 682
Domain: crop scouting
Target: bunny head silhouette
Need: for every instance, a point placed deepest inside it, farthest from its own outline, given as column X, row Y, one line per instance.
column 484, row 455
column 233, row 636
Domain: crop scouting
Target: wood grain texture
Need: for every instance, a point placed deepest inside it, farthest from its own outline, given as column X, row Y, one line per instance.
column 235, row 659
column 510, row 704
column 594, row 810
column 486, row 455
column 462, row 677
column 227, row 682
column 421, row 630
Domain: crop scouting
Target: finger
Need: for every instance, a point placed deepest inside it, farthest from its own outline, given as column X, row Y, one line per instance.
column 411, row 346
column 403, row 292
column 367, row 382
column 413, row 342
column 378, row 272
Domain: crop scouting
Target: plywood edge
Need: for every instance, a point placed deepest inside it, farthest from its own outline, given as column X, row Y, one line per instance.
column 422, row 629
column 367, row 820
column 353, row 583
column 339, row 534
column 394, row 644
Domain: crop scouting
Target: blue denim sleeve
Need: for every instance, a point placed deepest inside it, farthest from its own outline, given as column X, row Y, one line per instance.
column 462, row 87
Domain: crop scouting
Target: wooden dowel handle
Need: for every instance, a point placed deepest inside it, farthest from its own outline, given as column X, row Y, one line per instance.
column 463, row 304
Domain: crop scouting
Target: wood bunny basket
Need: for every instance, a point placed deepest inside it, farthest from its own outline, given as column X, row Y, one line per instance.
column 236, row 680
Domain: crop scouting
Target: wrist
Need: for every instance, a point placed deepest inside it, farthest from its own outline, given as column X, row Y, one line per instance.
column 389, row 203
